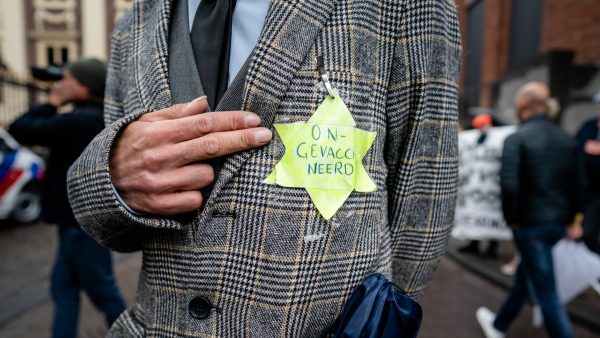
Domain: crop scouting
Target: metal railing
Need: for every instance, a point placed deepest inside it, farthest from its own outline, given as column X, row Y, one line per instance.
column 16, row 95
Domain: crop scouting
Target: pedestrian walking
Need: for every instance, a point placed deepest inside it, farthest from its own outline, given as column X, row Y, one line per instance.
column 81, row 263
column 542, row 184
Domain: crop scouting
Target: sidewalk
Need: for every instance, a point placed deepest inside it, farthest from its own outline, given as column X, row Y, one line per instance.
column 36, row 320
column 27, row 253
column 584, row 309
column 26, row 257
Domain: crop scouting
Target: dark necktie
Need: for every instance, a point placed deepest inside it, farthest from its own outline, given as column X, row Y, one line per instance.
column 211, row 41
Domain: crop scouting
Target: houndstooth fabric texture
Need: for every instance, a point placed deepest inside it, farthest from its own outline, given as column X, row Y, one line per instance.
column 262, row 254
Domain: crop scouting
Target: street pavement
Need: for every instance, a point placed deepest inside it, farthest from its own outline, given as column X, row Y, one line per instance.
column 453, row 296
column 27, row 252
column 26, row 258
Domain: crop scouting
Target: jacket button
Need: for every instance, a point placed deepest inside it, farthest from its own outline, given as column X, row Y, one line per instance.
column 200, row 307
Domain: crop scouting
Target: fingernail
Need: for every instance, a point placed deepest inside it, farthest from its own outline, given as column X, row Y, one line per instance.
column 251, row 120
column 263, row 135
column 199, row 99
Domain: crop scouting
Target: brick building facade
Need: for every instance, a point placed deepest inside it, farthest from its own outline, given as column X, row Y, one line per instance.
column 510, row 42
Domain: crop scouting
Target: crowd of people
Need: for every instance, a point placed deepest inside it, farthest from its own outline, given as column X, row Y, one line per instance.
column 547, row 185
column 177, row 172
column 548, row 190
column 192, row 92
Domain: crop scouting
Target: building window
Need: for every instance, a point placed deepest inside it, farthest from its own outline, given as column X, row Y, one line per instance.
column 475, row 26
column 55, row 52
column 57, row 55
column 54, row 31
column 64, row 55
column 525, row 28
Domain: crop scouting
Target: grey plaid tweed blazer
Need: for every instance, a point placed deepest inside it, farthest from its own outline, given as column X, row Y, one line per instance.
column 268, row 262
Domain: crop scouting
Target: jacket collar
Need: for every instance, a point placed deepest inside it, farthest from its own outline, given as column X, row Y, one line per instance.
column 290, row 31
column 536, row 117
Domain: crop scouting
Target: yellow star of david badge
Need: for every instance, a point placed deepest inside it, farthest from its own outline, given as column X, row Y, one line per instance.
column 324, row 156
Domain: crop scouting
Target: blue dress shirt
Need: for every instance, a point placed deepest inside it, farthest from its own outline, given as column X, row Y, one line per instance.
column 248, row 20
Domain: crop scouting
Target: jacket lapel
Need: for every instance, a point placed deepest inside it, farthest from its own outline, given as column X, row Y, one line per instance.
column 150, row 53
column 184, row 78
column 290, row 31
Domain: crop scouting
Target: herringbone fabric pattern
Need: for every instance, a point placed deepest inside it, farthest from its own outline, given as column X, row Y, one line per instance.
column 262, row 254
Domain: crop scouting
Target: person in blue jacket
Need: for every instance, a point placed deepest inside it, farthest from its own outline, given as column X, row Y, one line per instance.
column 81, row 263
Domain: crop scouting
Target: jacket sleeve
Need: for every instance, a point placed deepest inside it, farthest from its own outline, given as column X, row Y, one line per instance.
column 510, row 178
column 41, row 125
column 91, row 192
column 422, row 140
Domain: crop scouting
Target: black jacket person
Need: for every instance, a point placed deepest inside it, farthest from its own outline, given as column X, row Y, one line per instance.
column 81, row 263
column 542, row 175
column 542, row 185
column 66, row 136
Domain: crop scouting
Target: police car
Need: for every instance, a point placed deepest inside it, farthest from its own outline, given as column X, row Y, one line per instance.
column 21, row 174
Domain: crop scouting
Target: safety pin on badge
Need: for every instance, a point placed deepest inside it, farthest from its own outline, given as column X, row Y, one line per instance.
column 325, row 76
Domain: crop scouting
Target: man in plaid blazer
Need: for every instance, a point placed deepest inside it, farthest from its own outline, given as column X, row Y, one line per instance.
column 253, row 259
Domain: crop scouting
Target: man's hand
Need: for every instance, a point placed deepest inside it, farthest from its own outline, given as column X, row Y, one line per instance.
column 574, row 232
column 55, row 97
column 156, row 162
column 575, row 229
column 592, row 147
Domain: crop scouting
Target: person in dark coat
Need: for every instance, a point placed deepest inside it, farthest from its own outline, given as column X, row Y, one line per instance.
column 81, row 263
column 542, row 183
column 588, row 139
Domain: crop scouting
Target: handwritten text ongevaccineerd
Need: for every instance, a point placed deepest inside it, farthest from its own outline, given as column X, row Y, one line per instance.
column 327, row 157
